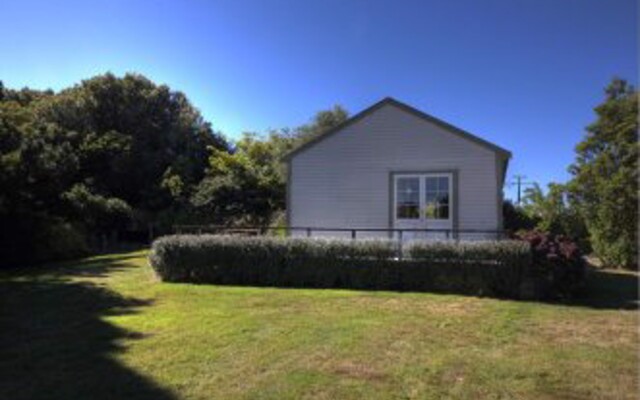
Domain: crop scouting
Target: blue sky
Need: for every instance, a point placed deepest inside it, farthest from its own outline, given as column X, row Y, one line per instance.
column 524, row 74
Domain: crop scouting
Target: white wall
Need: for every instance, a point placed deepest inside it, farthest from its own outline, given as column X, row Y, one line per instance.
column 343, row 180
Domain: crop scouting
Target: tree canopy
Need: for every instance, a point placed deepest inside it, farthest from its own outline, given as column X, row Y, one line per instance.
column 120, row 153
column 247, row 185
column 112, row 155
column 604, row 187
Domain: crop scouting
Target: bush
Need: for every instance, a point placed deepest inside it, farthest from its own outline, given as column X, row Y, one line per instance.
column 515, row 218
column 559, row 267
column 268, row 260
column 60, row 241
column 35, row 239
column 502, row 269
column 498, row 268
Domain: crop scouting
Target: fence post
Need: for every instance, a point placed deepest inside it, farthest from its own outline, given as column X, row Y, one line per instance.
column 448, row 234
column 308, row 232
column 353, row 234
column 400, row 245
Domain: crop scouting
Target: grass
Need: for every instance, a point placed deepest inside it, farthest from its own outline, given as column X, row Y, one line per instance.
column 105, row 328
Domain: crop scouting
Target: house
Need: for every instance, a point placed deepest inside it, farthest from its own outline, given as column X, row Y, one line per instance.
column 392, row 166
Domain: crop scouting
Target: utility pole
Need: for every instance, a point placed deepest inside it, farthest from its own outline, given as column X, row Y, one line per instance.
column 519, row 181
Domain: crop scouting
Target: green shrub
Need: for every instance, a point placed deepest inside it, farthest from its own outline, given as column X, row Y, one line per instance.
column 495, row 268
column 39, row 239
column 500, row 269
column 267, row 260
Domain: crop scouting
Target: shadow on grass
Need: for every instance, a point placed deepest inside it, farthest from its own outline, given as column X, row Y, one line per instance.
column 54, row 343
column 603, row 289
column 96, row 266
column 607, row 289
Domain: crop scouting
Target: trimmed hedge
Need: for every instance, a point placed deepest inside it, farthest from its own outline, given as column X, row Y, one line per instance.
column 493, row 268
column 271, row 261
column 499, row 269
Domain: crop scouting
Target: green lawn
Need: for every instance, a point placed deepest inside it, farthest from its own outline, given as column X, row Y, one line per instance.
column 105, row 328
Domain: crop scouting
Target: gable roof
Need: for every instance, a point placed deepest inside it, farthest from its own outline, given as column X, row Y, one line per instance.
column 411, row 110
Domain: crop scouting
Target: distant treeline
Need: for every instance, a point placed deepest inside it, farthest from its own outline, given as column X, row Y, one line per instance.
column 118, row 158
column 115, row 159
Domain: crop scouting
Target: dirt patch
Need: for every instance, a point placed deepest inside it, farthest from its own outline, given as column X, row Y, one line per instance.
column 454, row 375
column 358, row 370
column 601, row 331
column 428, row 306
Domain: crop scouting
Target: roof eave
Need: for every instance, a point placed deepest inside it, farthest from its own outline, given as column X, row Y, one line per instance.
column 420, row 114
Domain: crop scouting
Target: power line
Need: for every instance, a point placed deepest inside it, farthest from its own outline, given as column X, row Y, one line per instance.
column 520, row 182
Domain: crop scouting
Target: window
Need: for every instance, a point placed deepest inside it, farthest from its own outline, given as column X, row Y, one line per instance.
column 424, row 197
column 436, row 197
column 408, row 198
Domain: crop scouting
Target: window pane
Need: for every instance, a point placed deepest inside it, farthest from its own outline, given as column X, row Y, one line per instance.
column 443, row 184
column 409, row 211
column 432, row 184
column 430, row 210
column 408, row 190
column 443, row 199
column 443, row 212
column 431, row 197
column 408, row 198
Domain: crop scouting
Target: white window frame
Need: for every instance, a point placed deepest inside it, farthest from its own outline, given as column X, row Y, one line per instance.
column 422, row 196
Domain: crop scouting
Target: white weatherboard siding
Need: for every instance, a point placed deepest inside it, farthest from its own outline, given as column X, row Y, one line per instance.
column 343, row 180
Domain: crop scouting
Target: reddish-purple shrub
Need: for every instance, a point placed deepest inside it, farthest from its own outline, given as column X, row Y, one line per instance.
column 557, row 261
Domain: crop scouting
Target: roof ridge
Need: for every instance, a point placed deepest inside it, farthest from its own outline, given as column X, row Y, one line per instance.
column 407, row 108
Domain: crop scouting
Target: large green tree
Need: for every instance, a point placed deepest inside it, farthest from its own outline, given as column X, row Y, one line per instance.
column 247, row 185
column 118, row 153
column 91, row 157
column 322, row 122
column 605, row 177
column 37, row 163
column 133, row 136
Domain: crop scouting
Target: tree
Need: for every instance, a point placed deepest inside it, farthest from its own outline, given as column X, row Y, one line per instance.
column 134, row 134
column 241, row 187
column 87, row 159
column 515, row 218
column 36, row 163
column 115, row 153
column 322, row 122
column 554, row 213
column 248, row 184
column 100, row 214
column 604, row 186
